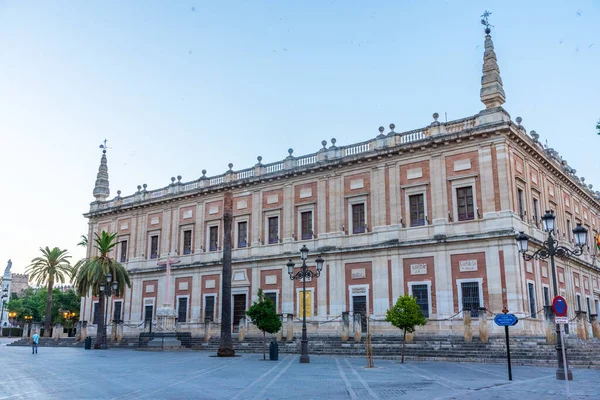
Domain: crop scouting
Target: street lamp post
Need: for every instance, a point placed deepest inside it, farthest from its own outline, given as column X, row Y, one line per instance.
column 106, row 290
column 302, row 275
column 11, row 316
column 549, row 249
column 4, row 297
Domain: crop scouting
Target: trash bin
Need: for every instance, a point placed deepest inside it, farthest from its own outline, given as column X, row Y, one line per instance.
column 88, row 343
column 274, row 351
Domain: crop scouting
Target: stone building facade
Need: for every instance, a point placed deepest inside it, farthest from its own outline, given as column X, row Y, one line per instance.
column 432, row 212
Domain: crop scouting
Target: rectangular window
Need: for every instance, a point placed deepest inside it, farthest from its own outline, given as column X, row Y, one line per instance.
column 213, row 238
column 578, row 303
column 546, row 296
column 589, row 308
column 154, row 246
column 148, row 314
column 470, row 297
column 420, row 293
column 96, row 314
column 117, row 308
column 521, row 203
column 569, row 230
column 358, row 218
column 464, row 198
column 417, row 210
column 209, row 308
column 597, row 304
column 306, row 225
column 182, row 309
column 123, row 257
column 273, row 297
column 187, row 242
column 242, row 234
column 273, row 223
column 532, row 309
column 536, row 212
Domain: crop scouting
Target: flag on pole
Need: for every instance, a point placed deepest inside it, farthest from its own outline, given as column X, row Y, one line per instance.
column 598, row 241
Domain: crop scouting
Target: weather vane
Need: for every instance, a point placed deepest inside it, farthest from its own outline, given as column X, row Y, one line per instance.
column 104, row 146
column 484, row 21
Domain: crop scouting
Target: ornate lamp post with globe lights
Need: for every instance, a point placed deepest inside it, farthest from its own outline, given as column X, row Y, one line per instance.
column 302, row 275
column 106, row 290
column 549, row 249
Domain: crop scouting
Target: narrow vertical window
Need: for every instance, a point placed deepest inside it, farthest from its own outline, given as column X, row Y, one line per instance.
column 464, row 198
column 417, row 210
column 532, row 309
column 123, row 257
column 569, row 230
column 118, row 305
column 358, row 218
column 182, row 309
column 589, row 308
column 536, row 212
column 154, row 246
column 470, row 297
column 578, row 303
column 209, row 308
column 273, row 297
column 420, row 293
column 521, row 203
column 242, row 234
column 187, row 242
column 273, row 223
column 306, row 225
column 96, row 313
column 213, row 239
column 546, row 296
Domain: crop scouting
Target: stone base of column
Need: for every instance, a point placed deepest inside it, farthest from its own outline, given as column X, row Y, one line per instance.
column 165, row 317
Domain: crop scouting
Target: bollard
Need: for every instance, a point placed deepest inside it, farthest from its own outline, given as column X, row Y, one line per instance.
column 25, row 330
column 242, row 330
column 549, row 325
column 595, row 326
column 581, row 330
column 468, row 334
column 113, row 331
column 483, row 326
column 290, row 328
column 279, row 334
column 120, row 332
column 207, row 329
column 357, row 317
column 83, row 330
column 345, row 326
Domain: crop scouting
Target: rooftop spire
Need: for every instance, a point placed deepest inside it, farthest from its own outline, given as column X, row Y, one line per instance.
column 101, row 189
column 492, row 92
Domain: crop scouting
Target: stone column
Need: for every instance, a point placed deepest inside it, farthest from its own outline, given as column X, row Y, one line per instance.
column 57, row 331
column 468, row 334
column 595, row 326
column 113, row 332
column 483, row 326
column 345, row 326
column 289, row 336
column 357, row 317
column 120, row 332
column 581, row 328
column 206, row 329
column 242, row 330
column 279, row 334
column 25, row 330
column 83, row 330
column 549, row 325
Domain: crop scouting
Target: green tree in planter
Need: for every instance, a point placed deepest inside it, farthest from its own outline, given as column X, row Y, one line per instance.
column 263, row 315
column 406, row 315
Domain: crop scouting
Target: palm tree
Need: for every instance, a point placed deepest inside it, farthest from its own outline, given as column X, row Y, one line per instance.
column 75, row 268
column 83, row 242
column 53, row 265
column 93, row 271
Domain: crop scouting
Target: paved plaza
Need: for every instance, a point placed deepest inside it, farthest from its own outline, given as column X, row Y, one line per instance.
column 75, row 373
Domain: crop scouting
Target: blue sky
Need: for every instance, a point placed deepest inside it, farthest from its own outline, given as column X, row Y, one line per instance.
column 177, row 87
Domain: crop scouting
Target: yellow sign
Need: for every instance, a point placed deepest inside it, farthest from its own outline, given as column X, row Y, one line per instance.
column 307, row 298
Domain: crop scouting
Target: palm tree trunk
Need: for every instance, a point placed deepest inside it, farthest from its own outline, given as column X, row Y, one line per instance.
column 403, row 346
column 226, row 344
column 48, row 318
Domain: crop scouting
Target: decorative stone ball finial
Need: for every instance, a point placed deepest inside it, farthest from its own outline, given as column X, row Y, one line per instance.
column 203, row 172
column 145, row 186
column 392, row 127
column 119, row 193
column 381, row 129
column 259, row 159
column 178, row 178
column 436, row 116
column 591, row 186
column 139, row 187
column 290, row 151
column 230, row 165
column 324, row 143
column 534, row 135
column 582, row 179
column 172, row 179
column 519, row 120
column 333, row 140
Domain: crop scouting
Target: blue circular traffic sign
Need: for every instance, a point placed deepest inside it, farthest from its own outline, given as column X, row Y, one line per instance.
column 559, row 306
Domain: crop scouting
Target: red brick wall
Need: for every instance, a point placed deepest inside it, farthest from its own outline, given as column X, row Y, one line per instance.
column 187, row 292
column 430, row 276
column 368, row 280
column 425, row 168
column 480, row 273
column 365, row 190
column 473, row 156
column 147, row 294
column 275, row 286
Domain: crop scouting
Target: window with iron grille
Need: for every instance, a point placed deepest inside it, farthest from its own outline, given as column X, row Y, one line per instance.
column 536, row 212
column 521, row 200
column 123, row 257
column 420, row 293
column 578, row 303
column 117, row 307
column 209, row 308
column 273, row 297
column 464, row 198
column 546, row 296
column 470, row 297
column 187, row 242
column 182, row 309
column 242, row 234
column 273, row 223
column 597, row 304
column 532, row 309
column 306, row 225
column 154, row 246
column 417, row 210
column 358, row 218
column 96, row 314
column 213, row 238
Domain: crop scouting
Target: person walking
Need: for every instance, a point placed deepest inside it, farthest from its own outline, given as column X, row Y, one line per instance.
column 34, row 344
